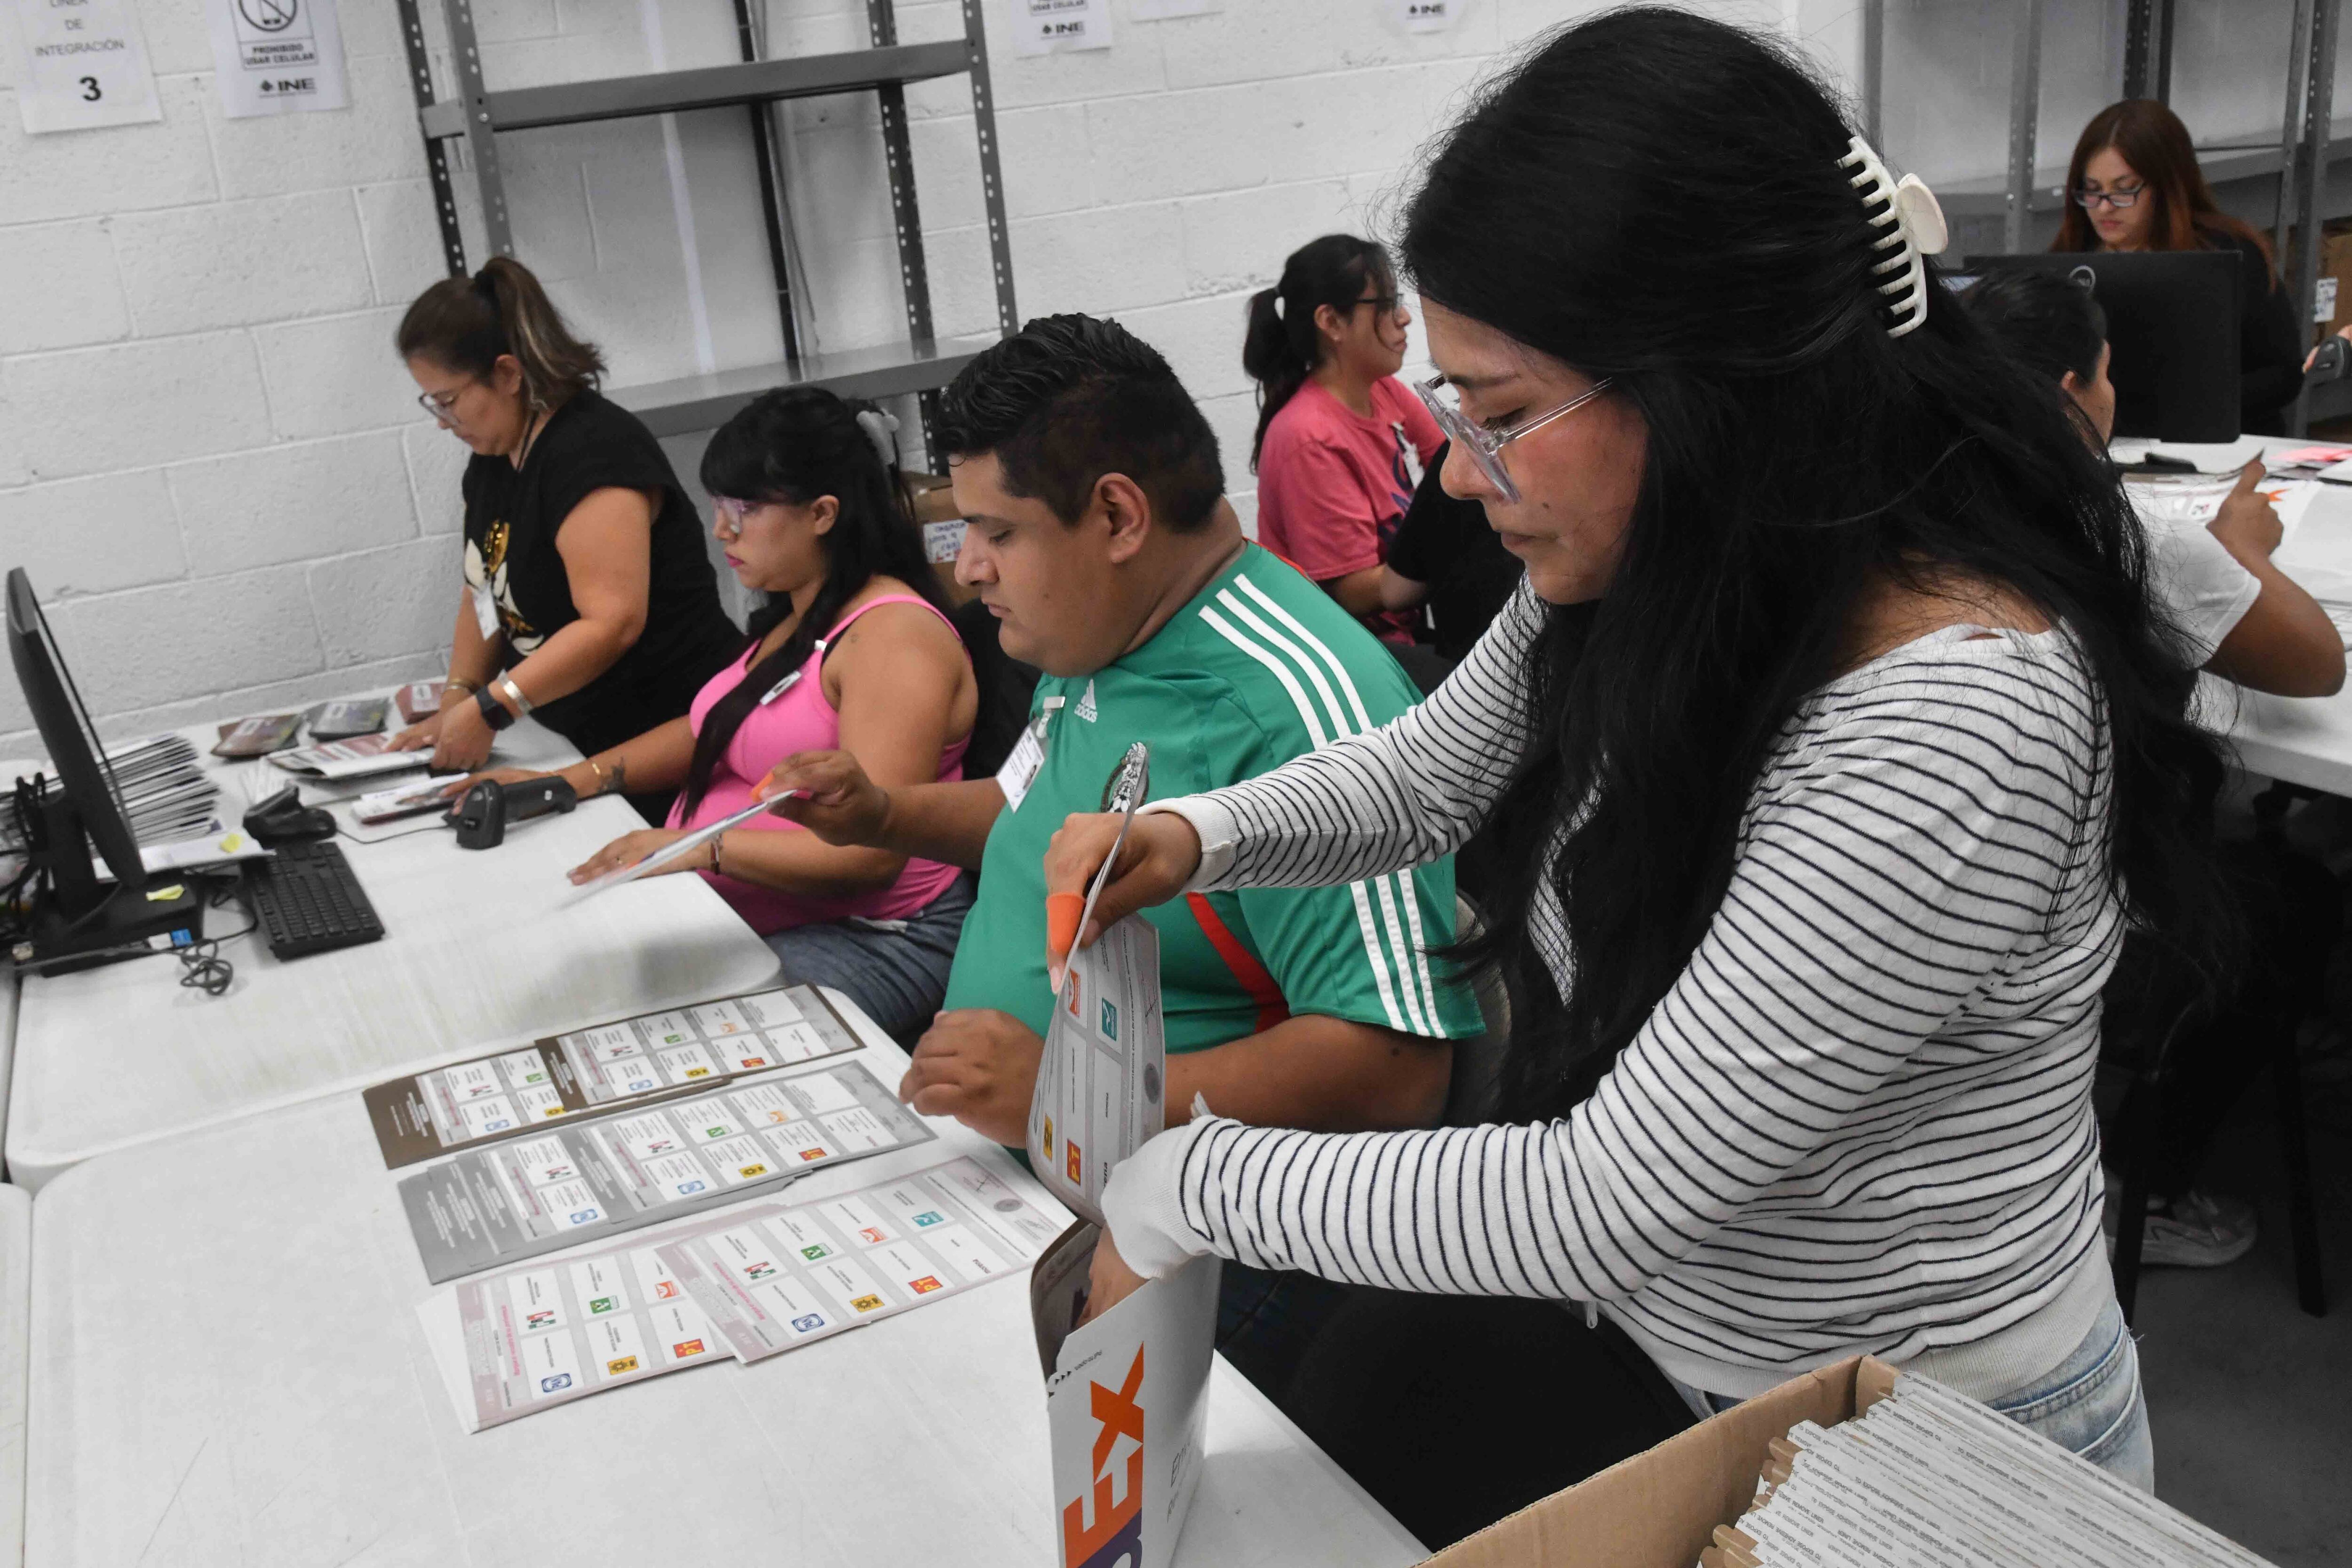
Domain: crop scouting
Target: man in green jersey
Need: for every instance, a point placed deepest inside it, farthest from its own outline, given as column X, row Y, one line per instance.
column 1096, row 532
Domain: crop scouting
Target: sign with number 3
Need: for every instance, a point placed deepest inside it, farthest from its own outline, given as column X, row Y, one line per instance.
column 85, row 65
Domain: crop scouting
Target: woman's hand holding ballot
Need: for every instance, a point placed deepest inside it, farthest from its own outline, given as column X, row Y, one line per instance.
column 830, row 795
column 1160, row 855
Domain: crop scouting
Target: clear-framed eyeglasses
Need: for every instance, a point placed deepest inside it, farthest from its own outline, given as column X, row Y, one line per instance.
column 1485, row 447
column 2117, row 200
column 734, row 511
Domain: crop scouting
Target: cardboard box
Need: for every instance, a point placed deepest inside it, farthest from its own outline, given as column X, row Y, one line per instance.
column 1660, row 1509
column 1126, row 1402
column 942, row 526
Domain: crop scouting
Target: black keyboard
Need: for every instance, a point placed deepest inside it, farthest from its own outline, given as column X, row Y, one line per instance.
column 306, row 901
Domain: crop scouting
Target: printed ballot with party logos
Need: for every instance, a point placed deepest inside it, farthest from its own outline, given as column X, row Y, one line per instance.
column 1127, row 1393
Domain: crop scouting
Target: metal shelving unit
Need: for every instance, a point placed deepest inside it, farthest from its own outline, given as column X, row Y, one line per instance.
column 921, row 364
column 2312, row 148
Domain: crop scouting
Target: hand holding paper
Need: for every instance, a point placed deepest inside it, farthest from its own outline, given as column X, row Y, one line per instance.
column 1159, row 855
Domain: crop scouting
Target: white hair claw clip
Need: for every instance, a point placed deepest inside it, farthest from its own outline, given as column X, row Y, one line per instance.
column 1910, row 224
column 879, row 428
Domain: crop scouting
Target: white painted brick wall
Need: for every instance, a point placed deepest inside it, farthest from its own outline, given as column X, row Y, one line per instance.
column 210, row 461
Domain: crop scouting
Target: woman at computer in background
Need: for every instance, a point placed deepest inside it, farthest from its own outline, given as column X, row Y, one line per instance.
column 2133, row 184
column 2243, row 619
column 1834, row 744
column 1340, row 441
column 588, row 602
column 852, row 653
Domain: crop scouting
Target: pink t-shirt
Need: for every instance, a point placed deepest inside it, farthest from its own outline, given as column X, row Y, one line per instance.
column 800, row 720
column 1332, row 485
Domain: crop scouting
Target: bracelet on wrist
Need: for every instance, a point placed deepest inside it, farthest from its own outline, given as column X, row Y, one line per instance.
column 458, row 686
column 596, row 772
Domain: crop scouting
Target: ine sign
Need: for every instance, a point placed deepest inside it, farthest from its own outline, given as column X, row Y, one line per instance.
column 85, row 65
column 277, row 56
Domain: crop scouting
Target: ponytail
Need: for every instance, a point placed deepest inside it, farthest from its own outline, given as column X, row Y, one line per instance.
column 796, row 444
column 1283, row 345
column 465, row 324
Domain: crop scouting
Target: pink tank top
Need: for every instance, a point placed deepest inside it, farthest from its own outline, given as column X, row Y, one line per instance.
column 800, row 719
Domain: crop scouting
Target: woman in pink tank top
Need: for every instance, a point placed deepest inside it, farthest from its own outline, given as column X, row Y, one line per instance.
column 852, row 652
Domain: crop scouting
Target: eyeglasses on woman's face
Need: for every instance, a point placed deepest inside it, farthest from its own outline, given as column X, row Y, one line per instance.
column 2117, row 200
column 1381, row 303
column 443, row 405
column 1484, row 446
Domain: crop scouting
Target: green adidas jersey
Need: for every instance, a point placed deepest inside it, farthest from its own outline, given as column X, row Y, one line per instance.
column 1260, row 667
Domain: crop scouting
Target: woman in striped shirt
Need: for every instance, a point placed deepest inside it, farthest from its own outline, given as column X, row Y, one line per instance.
column 1832, row 741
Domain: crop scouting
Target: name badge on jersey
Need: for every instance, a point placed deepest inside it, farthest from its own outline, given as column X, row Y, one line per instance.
column 1026, row 759
column 1020, row 770
column 486, row 613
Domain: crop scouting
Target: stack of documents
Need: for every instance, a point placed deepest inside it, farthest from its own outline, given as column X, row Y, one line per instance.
column 166, row 793
column 167, row 796
column 1930, row 1477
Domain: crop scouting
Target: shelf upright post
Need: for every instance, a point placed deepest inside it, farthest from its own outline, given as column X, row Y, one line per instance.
column 481, row 139
column 2291, row 133
column 2318, row 72
column 768, row 153
column 2147, row 49
column 991, row 177
column 2024, row 112
column 898, row 160
column 436, row 157
column 1874, row 72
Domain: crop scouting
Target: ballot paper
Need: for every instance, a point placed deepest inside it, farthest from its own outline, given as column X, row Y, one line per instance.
column 514, row 1343
column 1101, row 1078
column 355, row 759
column 413, row 799
column 654, row 1056
column 345, row 718
column 1931, row 1476
column 669, row 855
column 779, row 1277
column 594, row 1176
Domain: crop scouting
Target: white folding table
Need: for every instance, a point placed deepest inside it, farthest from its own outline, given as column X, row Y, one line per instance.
column 475, row 951
column 226, row 1367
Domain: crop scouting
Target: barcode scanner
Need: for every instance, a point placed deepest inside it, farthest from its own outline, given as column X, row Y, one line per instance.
column 482, row 814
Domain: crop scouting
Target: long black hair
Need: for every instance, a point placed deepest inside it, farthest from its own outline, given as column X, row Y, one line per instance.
column 2049, row 322
column 795, row 444
column 1283, row 345
column 1655, row 197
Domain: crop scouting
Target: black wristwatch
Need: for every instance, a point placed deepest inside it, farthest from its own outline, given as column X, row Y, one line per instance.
column 495, row 714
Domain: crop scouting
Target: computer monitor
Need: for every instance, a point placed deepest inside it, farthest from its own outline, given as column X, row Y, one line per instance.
column 75, row 913
column 2172, row 328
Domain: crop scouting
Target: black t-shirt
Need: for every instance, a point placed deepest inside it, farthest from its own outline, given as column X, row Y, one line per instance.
column 1448, row 545
column 512, row 517
column 2270, row 345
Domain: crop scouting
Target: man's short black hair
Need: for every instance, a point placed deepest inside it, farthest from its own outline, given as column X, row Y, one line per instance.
column 1068, row 399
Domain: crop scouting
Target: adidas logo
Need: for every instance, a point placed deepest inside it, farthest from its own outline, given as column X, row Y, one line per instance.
column 1086, row 708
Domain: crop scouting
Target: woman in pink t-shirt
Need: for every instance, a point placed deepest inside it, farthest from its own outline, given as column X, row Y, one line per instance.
column 1340, row 441
column 852, row 653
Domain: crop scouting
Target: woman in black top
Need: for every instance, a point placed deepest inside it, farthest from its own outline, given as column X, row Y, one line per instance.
column 2135, row 185
column 588, row 600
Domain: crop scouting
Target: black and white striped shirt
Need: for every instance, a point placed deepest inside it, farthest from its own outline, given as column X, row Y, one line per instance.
column 1860, row 1120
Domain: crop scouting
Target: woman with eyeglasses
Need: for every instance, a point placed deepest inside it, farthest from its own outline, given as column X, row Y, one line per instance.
column 852, row 653
column 588, row 600
column 1340, row 441
column 2133, row 184
column 1833, row 742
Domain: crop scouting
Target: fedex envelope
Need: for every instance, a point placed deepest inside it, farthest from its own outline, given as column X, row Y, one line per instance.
column 1127, row 1404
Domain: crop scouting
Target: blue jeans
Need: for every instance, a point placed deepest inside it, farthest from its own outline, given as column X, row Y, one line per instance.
column 895, row 969
column 2089, row 1403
